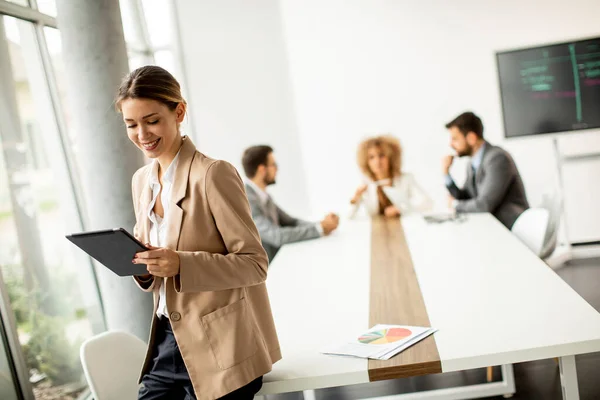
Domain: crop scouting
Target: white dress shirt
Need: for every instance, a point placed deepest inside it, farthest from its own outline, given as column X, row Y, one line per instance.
column 405, row 193
column 158, row 229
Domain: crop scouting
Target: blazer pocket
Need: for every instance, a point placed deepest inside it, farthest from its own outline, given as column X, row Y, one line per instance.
column 230, row 334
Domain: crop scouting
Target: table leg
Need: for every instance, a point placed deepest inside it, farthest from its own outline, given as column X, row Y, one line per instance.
column 568, row 378
column 508, row 379
column 309, row 395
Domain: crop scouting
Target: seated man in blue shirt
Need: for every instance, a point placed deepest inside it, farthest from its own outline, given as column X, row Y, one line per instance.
column 493, row 182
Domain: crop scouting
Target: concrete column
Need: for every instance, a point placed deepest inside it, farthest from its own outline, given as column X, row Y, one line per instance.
column 95, row 62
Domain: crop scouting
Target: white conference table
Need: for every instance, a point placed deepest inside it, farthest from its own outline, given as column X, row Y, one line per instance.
column 491, row 299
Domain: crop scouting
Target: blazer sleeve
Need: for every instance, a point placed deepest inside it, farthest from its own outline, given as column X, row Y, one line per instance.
column 147, row 285
column 245, row 263
column 495, row 183
column 286, row 219
column 455, row 191
column 276, row 235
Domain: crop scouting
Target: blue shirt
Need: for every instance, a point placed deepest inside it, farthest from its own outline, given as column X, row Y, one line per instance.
column 476, row 160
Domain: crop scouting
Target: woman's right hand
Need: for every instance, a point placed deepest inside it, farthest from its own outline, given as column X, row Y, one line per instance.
column 359, row 192
column 391, row 212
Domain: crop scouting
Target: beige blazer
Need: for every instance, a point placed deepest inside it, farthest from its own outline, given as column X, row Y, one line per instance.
column 218, row 303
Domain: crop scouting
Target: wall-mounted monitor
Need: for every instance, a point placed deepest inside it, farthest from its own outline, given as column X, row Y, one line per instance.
column 549, row 89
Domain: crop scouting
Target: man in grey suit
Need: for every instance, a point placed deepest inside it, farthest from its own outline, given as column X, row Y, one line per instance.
column 493, row 182
column 275, row 226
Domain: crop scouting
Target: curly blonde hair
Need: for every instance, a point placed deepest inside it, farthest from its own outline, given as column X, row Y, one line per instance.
column 390, row 147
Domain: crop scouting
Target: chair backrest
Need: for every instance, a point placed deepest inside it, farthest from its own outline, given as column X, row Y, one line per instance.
column 531, row 227
column 553, row 204
column 112, row 362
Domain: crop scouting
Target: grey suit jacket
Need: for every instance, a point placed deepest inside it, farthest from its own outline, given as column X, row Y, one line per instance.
column 497, row 188
column 272, row 235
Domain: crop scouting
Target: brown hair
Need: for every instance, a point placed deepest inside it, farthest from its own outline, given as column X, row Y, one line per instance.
column 467, row 122
column 254, row 157
column 390, row 147
column 150, row 82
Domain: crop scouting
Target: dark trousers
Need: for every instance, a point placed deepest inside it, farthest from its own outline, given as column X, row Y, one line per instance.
column 168, row 378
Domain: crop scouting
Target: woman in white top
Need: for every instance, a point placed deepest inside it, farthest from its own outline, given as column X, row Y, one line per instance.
column 388, row 191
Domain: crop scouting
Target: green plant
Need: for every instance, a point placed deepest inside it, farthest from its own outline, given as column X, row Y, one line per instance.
column 80, row 313
column 19, row 299
column 48, row 205
column 23, row 300
column 5, row 215
column 49, row 351
column 47, row 348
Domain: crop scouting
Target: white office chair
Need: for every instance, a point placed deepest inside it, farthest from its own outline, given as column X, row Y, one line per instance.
column 537, row 227
column 531, row 227
column 554, row 206
column 112, row 362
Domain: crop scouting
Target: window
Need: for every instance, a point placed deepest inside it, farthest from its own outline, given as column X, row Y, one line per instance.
column 51, row 289
column 47, row 7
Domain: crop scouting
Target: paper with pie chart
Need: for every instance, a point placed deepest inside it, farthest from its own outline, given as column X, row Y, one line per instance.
column 381, row 341
column 385, row 336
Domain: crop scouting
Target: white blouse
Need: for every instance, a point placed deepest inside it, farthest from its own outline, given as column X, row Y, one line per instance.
column 158, row 229
column 405, row 194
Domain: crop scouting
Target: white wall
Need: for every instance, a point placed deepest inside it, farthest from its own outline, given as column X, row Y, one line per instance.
column 315, row 77
column 240, row 88
column 408, row 67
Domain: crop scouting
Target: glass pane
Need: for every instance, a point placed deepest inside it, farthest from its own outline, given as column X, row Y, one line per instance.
column 54, row 43
column 137, row 60
column 165, row 59
column 51, row 289
column 159, row 20
column 130, row 26
column 8, row 387
column 47, row 7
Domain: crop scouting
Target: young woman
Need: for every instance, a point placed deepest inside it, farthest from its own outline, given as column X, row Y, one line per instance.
column 388, row 191
column 212, row 334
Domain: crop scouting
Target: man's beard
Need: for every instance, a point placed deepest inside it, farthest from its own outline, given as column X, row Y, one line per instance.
column 269, row 182
column 467, row 151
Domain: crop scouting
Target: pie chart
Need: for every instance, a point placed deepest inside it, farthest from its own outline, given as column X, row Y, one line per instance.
column 385, row 336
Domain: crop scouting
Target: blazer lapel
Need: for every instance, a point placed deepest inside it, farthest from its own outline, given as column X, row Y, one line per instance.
column 470, row 181
column 481, row 169
column 255, row 198
column 178, row 192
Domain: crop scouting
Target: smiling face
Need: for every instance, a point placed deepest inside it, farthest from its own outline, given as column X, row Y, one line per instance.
column 153, row 127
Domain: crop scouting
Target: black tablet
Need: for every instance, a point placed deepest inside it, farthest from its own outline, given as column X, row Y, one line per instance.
column 113, row 248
